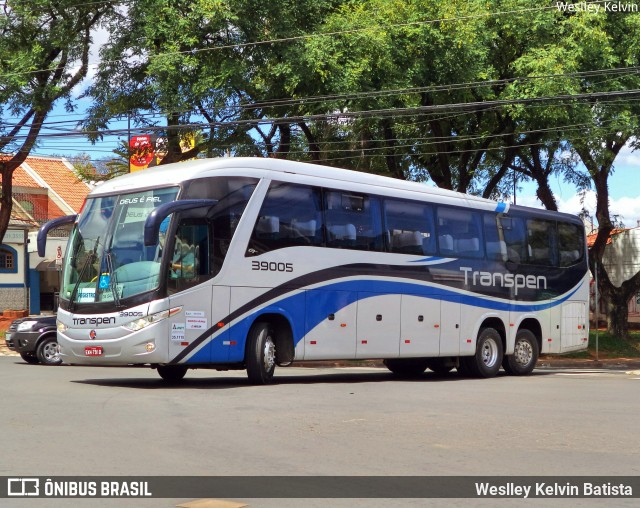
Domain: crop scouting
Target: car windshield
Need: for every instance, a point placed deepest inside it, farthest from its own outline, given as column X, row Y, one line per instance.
column 107, row 259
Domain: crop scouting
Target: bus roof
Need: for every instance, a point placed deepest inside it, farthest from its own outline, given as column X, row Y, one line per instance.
column 174, row 174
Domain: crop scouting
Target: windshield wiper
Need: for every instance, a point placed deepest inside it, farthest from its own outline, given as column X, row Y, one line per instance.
column 91, row 255
column 113, row 280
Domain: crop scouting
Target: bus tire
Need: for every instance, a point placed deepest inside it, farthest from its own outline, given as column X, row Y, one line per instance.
column 406, row 367
column 261, row 354
column 486, row 362
column 172, row 373
column 439, row 366
column 525, row 354
column 47, row 351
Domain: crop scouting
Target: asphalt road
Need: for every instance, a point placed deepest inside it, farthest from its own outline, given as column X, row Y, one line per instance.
column 66, row 421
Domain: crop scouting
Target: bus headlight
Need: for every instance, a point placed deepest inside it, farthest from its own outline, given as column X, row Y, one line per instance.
column 139, row 324
column 61, row 326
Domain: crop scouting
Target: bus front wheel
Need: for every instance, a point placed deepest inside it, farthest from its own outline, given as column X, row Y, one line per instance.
column 525, row 355
column 486, row 362
column 172, row 373
column 261, row 354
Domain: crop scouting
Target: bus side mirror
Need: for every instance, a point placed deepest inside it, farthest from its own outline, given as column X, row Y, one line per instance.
column 48, row 226
column 155, row 218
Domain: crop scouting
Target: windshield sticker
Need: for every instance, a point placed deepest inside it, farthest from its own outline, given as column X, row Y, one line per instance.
column 86, row 295
column 177, row 331
column 105, row 279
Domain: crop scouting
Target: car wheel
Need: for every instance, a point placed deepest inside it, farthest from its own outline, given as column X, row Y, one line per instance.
column 30, row 358
column 48, row 352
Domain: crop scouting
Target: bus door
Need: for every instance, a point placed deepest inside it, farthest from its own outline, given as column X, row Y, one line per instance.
column 189, row 269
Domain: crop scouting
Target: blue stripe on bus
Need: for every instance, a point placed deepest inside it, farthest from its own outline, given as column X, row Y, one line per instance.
column 501, row 207
column 294, row 307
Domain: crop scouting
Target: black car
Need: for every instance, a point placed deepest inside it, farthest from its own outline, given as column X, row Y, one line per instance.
column 34, row 337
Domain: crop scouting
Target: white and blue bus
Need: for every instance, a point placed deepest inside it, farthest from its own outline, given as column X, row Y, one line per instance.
column 252, row 263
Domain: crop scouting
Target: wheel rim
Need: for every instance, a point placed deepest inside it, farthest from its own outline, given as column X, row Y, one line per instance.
column 523, row 352
column 489, row 352
column 269, row 356
column 50, row 352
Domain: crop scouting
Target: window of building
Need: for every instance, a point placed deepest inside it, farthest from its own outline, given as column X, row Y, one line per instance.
column 8, row 259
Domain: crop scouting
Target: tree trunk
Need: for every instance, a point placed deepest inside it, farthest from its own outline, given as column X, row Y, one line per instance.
column 617, row 313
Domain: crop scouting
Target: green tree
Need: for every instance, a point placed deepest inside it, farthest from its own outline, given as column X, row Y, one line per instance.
column 171, row 63
column 44, row 54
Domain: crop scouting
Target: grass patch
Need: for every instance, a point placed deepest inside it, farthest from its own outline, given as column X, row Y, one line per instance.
column 610, row 346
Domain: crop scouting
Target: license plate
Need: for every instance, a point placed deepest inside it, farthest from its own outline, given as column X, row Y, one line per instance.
column 93, row 351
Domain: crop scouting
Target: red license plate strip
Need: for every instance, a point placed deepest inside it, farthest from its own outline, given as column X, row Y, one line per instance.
column 93, row 351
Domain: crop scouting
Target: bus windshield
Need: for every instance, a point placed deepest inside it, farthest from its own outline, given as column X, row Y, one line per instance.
column 106, row 259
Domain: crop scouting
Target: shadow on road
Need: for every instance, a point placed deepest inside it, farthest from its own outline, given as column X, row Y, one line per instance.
column 282, row 378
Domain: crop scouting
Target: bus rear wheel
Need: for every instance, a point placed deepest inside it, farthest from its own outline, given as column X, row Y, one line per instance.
column 488, row 357
column 172, row 373
column 525, row 354
column 406, row 367
column 261, row 354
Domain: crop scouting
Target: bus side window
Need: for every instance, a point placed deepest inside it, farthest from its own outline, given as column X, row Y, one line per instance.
column 570, row 244
column 290, row 216
column 496, row 247
column 459, row 233
column 540, row 241
column 514, row 236
column 353, row 221
column 409, row 227
column 190, row 260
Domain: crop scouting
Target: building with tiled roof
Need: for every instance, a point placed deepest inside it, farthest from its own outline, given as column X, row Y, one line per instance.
column 44, row 188
column 621, row 260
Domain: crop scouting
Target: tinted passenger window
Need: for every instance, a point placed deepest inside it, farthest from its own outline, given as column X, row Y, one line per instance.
column 495, row 245
column 410, row 227
column 540, row 242
column 290, row 216
column 459, row 233
column 189, row 263
column 353, row 221
column 570, row 243
column 514, row 235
